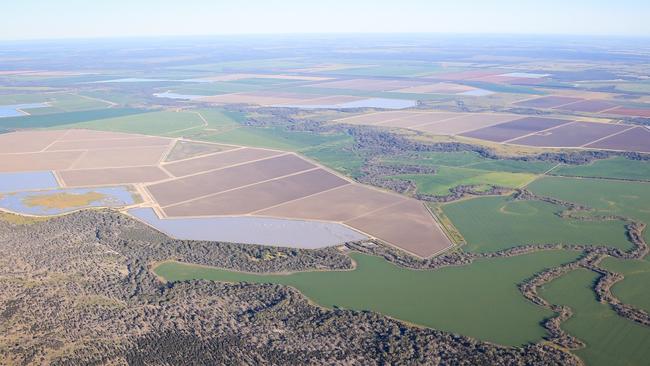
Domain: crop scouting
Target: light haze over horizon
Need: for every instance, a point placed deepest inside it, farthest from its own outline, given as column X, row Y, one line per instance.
column 35, row 19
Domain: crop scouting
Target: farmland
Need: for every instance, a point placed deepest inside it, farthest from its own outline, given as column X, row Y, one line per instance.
column 629, row 199
column 481, row 222
column 480, row 299
column 633, row 289
column 615, row 168
column 212, row 183
column 361, row 201
column 609, row 338
column 450, row 177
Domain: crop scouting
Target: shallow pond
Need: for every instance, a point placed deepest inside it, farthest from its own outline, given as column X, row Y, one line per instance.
column 27, row 181
column 15, row 110
column 58, row 201
column 171, row 95
column 251, row 230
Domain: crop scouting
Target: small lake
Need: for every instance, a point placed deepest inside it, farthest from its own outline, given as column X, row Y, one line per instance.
column 383, row 103
column 66, row 200
column 129, row 80
column 27, row 181
column 251, row 230
column 15, row 110
column 171, row 95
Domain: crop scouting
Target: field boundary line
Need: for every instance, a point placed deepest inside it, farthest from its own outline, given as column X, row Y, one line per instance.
column 405, row 199
column 53, row 142
column 111, row 167
column 608, row 136
column 240, row 187
column 100, row 149
column 299, row 199
column 436, row 122
column 110, row 104
column 229, row 166
column 486, row 126
column 201, row 156
column 536, row 132
column 77, row 160
column 59, row 179
column 168, row 151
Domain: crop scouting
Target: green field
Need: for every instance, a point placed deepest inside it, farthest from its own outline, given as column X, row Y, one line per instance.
column 339, row 156
column 447, row 178
column 273, row 138
column 460, row 158
column 610, row 339
column 630, row 199
column 479, row 300
column 320, row 91
column 60, row 102
column 393, row 70
column 494, row 223
column 513, row 166
column 152, row 123
column 634, row 288
column 618, row 168
column 68, row 119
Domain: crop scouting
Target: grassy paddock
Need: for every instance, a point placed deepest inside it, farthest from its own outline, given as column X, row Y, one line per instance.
column 495, row 223
column 616, row 168
column 611, row 339
column 479, row 300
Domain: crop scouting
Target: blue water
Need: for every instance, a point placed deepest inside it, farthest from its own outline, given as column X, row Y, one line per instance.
column 115, row 197
column 477, row 93
column 171, row 95
column 14, row 182
column 128, row 80
column 251, row 230
column 383, row 103
column 12, row 110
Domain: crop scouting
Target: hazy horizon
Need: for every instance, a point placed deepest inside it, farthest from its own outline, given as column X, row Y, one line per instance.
column 32, row 20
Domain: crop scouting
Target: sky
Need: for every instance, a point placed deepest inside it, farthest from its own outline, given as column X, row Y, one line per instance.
column 47, row 19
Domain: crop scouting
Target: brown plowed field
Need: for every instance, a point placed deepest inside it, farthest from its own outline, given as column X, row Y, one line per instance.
column 218, row 161
column 416, row 119
column 234, row 181
column 73, row 135
column 192, row 187
column 253, row 198
column 635, row 139
column 513, row 129
column 375, row 118
column 112, row 176
column 547, row 102
column 340, row 204
column 590, row 106
column 572, row 135
column 467, row 122
column 408, row 225
column 33, row 141
column 633, row 112
column 108, row 144
column 38, row 161
column 115, row 158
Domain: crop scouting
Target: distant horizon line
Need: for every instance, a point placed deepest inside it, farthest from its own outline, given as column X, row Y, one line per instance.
column 331, row 34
